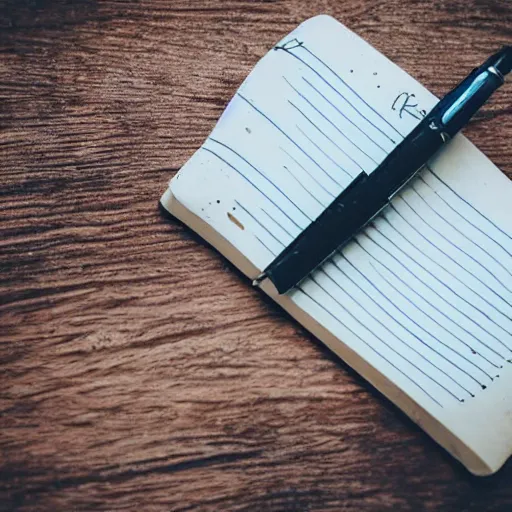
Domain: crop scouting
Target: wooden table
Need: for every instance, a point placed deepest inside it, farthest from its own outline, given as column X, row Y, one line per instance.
column 139, row 371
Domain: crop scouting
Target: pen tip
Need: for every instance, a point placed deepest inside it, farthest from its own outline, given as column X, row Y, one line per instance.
column 259, row 279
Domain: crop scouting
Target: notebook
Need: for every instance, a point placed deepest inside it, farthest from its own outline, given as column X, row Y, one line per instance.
column 420, row 302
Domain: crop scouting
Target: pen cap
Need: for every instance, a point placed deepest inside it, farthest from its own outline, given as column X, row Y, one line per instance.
column 502, row 61
column 456, row 109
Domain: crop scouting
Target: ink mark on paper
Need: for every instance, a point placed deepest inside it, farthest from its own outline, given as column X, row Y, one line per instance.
column 235, row 221
column 290, row 45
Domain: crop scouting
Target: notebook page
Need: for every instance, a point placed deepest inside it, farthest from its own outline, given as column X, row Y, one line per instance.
column 424, row 294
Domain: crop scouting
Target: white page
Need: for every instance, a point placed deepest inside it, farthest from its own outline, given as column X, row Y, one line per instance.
column 424, row 294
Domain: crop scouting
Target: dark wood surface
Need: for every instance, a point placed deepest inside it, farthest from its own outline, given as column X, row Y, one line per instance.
column 138, row 369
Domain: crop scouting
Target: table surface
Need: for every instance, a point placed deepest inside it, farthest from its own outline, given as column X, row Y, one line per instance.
column 138, row 368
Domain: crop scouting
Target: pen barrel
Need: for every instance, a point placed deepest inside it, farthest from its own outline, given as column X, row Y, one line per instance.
column 368, row 194
column 402, row 164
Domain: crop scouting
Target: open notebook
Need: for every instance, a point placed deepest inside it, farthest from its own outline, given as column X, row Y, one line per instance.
column 420, row 303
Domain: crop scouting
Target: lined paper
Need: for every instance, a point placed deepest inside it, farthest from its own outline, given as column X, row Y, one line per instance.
column 424, row 293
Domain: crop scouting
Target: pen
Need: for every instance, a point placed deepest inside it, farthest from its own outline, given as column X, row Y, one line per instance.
column 368, row 194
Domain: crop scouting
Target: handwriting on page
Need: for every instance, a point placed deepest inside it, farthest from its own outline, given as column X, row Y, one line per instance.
column 405, row 103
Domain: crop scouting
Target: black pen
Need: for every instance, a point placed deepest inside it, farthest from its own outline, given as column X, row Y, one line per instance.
column 368, row 194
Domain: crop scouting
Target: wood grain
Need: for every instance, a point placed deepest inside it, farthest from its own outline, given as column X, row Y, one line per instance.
column 128, row 381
